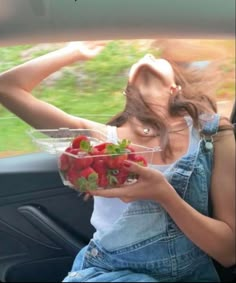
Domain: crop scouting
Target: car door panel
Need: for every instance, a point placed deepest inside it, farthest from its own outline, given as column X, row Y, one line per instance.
column 42, row 222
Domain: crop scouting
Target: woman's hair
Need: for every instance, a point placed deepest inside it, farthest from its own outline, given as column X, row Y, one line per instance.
column 194, row 99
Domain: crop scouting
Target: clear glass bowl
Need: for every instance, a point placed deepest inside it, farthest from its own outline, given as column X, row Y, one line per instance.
column 93, row 169
column 55, row 141
column 82, row 171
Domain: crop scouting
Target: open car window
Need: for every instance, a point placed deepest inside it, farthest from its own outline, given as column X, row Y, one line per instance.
column 203, row 30
column 93, row 89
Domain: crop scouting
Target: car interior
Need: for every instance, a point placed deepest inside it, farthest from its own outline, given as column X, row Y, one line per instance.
column 43, row 224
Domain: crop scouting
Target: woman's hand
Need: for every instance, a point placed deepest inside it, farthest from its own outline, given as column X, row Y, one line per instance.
column 87, row 49
column 151, row 185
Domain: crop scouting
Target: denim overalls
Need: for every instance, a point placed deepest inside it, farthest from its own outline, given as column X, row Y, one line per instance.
column 144, row 244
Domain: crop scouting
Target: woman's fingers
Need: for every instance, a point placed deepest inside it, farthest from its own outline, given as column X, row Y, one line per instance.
column 126, row 190
column 110, row 193
column 136, row 168
column 89, row 49
column 137, row 190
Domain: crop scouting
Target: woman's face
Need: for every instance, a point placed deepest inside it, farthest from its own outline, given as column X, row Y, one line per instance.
column 161, row 67
column 154, row 79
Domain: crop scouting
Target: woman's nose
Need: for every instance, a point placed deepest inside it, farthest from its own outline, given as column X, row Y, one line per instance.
column 149, row 56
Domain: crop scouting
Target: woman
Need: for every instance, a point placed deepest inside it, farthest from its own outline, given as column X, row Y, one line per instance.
column 161, row 228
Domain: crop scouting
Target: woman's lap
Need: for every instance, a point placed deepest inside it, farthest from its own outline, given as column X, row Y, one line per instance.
column 98, row 275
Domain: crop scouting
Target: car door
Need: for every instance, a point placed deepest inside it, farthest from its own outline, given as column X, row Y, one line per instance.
column 42, row 224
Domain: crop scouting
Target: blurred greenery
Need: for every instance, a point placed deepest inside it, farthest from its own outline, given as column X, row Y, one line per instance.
column 91, row 89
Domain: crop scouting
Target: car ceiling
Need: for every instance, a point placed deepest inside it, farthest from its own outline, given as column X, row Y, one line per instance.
column 35, row 21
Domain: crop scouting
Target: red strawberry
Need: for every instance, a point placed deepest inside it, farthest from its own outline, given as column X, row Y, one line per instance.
column 141, row 160
column 117, row 154
column 101, row 150
column 76, row 143
column 80, row 159
column 72, row 175
column 87, row 179
column 64, row 160
column 115, row 161
column 112, row 180
column 95, row 151
column 99, row 165
column 73, row 151
column 83, row 161
column 131, row 152
column 102, row 146
column 103, row 181
column 68, row 149
column 120, row 176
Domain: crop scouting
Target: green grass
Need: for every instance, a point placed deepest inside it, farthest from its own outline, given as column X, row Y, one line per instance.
column 13, row 136
column 11, row 56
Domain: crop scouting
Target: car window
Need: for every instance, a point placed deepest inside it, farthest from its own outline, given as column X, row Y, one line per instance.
column 93, row 89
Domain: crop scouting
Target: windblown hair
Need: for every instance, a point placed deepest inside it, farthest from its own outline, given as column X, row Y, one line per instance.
column 194, row 99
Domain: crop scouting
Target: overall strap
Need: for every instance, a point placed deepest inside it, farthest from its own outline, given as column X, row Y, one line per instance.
column 209, row 123
column 209, row 127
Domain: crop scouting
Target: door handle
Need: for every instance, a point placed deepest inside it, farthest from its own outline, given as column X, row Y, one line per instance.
column 42, row 221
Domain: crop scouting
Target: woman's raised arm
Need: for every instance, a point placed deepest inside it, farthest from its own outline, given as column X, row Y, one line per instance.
column 17, row 83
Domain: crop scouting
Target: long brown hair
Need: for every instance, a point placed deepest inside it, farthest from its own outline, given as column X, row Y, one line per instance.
column 194, row 99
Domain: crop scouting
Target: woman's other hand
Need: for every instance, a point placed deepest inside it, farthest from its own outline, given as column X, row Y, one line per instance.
column 151, row 185
column 87, row 49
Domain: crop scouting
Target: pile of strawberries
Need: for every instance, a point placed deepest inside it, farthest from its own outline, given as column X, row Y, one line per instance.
column 88, row 167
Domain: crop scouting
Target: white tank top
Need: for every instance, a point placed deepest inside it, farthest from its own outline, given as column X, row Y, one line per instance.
column 107, row 210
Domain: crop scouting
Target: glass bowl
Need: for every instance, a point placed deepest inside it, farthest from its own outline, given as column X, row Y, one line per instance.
column 87, row 161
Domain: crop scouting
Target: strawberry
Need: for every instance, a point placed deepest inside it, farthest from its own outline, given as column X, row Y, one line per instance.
column 87, row 179
column 118, row 153
column 72, row 175
column 102, row 146
column 122, row 176
column 95, row 151
column 103, row 181
column 119, row 177
column 73, row 151
column 140, row 160
column 115, row 161
column 68, row 149
column 131, row 152
column 64, row 160
column 99, row 166
column 83, row 161
column 80, row 159
column 81, row 142
column 77, row 140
